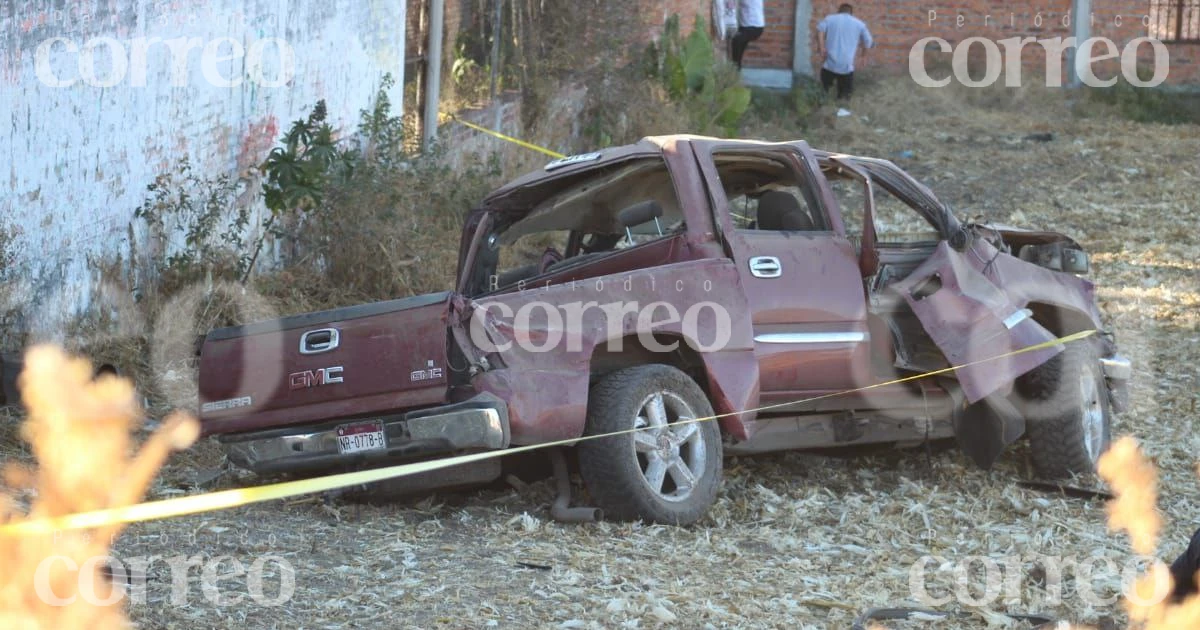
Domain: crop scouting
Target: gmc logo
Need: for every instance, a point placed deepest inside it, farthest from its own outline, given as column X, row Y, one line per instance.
column 315, row 378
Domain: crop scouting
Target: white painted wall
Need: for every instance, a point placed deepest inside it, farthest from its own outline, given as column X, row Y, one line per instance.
column 75, row 161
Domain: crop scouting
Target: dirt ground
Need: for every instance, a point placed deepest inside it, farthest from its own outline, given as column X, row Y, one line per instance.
column 795, row 540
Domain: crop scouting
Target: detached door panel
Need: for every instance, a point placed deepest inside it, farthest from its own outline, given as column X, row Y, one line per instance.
column 973, row 322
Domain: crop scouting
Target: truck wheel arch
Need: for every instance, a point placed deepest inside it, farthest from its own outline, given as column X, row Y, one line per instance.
column 704, row 368
column 1060, row 319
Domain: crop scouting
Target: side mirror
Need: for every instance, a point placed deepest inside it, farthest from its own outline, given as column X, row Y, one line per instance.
column 1075, row 261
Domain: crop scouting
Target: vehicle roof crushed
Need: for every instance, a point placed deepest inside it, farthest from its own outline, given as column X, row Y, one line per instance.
column 520, row 196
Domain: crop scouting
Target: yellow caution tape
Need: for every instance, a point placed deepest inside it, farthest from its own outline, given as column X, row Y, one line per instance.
column 225, row 499
column 497, row 134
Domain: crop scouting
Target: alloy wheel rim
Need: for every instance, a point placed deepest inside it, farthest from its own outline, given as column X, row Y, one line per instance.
column 1093, row 415
column 669, row 448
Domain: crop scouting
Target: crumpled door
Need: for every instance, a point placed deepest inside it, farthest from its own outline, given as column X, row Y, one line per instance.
column 971, row 320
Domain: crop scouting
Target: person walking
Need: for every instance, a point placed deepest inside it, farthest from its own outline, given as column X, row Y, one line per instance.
column 839, row 37
column 750, row 27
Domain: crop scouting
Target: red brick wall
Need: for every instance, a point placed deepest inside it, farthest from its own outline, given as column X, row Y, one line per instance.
column 774, row 48
column 655, row 12
column 898, row 24
column 1185, row 58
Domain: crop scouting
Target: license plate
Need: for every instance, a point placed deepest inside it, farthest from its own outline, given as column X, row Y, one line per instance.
column 361, row 436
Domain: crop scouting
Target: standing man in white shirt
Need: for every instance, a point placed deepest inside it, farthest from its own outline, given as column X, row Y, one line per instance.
column 839, row 37
column 750, row 27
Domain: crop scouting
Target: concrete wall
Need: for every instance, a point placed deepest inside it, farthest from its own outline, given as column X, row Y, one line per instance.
column 75, row 160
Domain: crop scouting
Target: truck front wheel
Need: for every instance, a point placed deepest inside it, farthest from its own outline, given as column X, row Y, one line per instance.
column 1068, row 416
column 669, row 470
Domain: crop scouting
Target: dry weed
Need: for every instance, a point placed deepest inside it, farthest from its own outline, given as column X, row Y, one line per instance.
column 79, row 430
column 1134, row 480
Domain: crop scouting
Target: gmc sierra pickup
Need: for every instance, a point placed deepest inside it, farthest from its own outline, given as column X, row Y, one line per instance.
column 782, row 289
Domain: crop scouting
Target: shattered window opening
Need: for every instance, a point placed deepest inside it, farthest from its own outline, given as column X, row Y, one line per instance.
column 896, row 222
column 584, row 221
column 766, row 193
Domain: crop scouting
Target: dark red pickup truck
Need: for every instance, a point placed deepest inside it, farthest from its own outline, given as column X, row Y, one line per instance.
column 646, row 285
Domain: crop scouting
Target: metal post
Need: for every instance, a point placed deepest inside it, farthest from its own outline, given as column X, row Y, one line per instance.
column 433, row 70
column 801, row 47
column 497, row 17
column 419, row 100
column 1081, row 13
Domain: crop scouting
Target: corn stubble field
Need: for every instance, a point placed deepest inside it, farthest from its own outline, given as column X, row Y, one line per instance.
column 795, row 540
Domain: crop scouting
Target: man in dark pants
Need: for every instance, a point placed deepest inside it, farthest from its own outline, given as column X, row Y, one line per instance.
column 750, row 27
column 839, row 37
column 1183, row 570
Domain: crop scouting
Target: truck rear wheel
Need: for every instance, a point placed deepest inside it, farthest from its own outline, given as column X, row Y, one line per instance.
column 667, row 472
column 1068, row 417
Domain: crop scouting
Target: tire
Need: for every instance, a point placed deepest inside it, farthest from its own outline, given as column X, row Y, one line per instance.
column 1068, row 416
column 621, row 471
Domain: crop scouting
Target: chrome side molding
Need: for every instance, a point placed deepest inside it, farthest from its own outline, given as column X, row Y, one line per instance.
column 812, row 337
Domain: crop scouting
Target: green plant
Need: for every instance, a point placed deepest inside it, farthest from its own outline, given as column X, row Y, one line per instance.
column 197, row 224
column 298, row 172
column 1148, row 105
column 366, row 218
column 463, row 64
column 382, row 135
column 807, row 96
column 711, row 90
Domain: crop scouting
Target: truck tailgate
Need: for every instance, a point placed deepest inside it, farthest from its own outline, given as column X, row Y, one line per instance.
column 333, row 364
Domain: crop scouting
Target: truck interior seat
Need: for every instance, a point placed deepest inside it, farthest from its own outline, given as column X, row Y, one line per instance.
column 778, row 210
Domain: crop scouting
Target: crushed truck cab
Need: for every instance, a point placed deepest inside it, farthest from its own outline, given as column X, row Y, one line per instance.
column 787, row 291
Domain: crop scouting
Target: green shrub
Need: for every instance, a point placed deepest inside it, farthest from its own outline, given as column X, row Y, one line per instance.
column 1146, row 104
column 710, row 90
column 196, row 226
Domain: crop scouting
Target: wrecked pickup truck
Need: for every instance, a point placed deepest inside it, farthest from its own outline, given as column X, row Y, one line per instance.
column 785, row 290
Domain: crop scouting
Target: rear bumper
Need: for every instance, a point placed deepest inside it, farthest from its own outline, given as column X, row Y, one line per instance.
column 480, row 423
column 1117, row 372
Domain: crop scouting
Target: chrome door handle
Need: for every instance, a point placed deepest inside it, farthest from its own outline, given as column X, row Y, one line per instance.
column 318, row 341
column 765, row 267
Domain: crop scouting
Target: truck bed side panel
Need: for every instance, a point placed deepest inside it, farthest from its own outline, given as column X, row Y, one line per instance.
column 388, row 356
